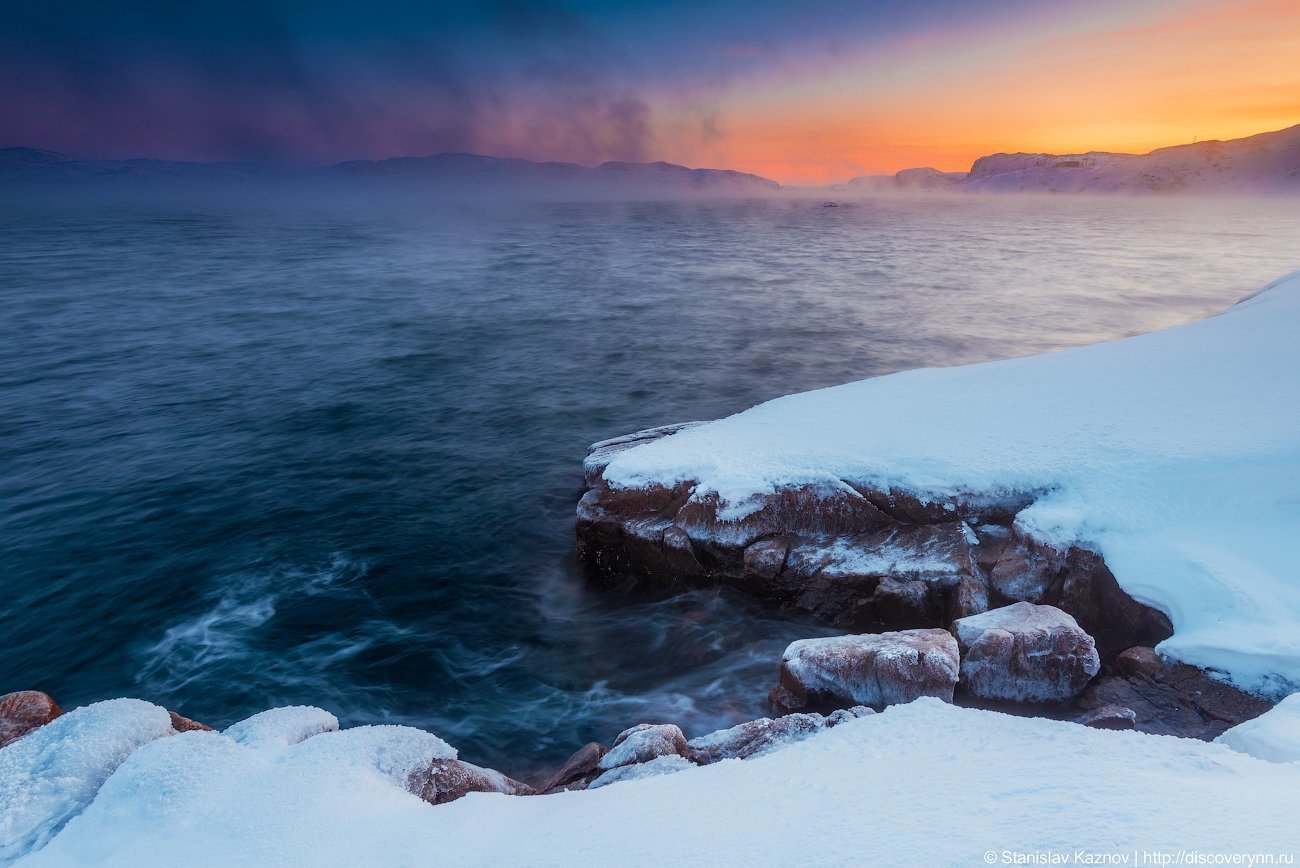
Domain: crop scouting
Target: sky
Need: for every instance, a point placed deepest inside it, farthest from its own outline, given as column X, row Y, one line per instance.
column 802, row 91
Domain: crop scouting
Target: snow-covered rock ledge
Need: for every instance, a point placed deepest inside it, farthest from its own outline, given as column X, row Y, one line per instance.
column 1150, row 487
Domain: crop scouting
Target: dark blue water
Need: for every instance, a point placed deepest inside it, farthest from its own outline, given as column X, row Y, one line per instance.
column 328, row 453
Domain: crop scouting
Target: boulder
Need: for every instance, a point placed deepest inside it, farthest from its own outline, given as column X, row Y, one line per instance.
column 759, row 736
column 875, row 669
column 1170, row 698
column 643, row 743
column 24, row 711
column 446, row 780
column 577, row 771
column 661, row 765
column 1025, row 653
column 1109, row 717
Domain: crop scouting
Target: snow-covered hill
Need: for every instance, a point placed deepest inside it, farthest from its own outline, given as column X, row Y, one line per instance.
column 470, row 172
column 1266, row 163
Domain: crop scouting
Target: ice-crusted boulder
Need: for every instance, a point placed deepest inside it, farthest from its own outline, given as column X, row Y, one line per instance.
column 875, row 669
column 23, row 711
column 448, row 780
column 1273, row 736
column 643, row 743
column 757, row 737
column 281, row 727
column 666, row 764
column 1169, row 698
column 51, row 774
column 1025, row 653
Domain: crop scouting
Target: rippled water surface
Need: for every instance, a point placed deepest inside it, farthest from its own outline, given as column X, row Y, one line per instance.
column 255, row 455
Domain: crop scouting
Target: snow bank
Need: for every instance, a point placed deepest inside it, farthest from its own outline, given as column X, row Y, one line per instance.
column 50, row 775
column 1273, row 736
column 1176, row 455
column 925, row 783
column 281, row 727
column 332, row 799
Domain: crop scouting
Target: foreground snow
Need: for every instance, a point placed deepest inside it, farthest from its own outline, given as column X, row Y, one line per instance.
column 1273, row 736
column 926, row 783
column 1176, row 455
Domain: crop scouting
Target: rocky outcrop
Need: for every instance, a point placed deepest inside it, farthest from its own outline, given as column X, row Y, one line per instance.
column 1170, row 698
column 652, row 768
column 184, row 724
column 757, row 737
column 1108, row 717
column 446, row 780
column 1025, row 653
column 24, row 711
column 857, row 558
column 875, row 669
column 578, row 770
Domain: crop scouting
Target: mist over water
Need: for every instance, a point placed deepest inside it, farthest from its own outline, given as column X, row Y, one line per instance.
column 329, row 453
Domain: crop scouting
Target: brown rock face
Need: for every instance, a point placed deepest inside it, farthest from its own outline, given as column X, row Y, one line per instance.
column 857, row 558
column 875, row 669
column 448, row 780
column 24, row 711
column 184, row 724
column 1171, row 698
column 1109, row 717
column 577, row 771
column 1025, row 653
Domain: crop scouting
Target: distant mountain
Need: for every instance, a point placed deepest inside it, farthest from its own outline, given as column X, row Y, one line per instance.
column 907, row 181
column 461, row 172
column 1266, row 163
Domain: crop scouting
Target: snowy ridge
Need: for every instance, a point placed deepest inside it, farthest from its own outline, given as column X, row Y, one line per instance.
column 1175, row 455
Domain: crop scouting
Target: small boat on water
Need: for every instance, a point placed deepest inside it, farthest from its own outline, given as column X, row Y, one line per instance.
column 830, row 204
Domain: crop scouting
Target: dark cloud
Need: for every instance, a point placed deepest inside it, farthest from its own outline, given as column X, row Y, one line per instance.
column 318, row 81
column 288, row 81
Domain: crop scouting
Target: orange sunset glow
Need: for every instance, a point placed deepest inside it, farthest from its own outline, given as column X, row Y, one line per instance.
column 1091, row 78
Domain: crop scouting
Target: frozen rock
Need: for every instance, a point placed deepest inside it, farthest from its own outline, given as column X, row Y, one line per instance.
column 1273, row 736
column 447, row 780
column 52, row 774
column 281, row 727
column 577, row 771
column 661, row 765
column 601, row 453
column 643, row 743
column 1025, row 653
column 875, row 669
column 23, row 711
column 759, row 736
column 1170, row 698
